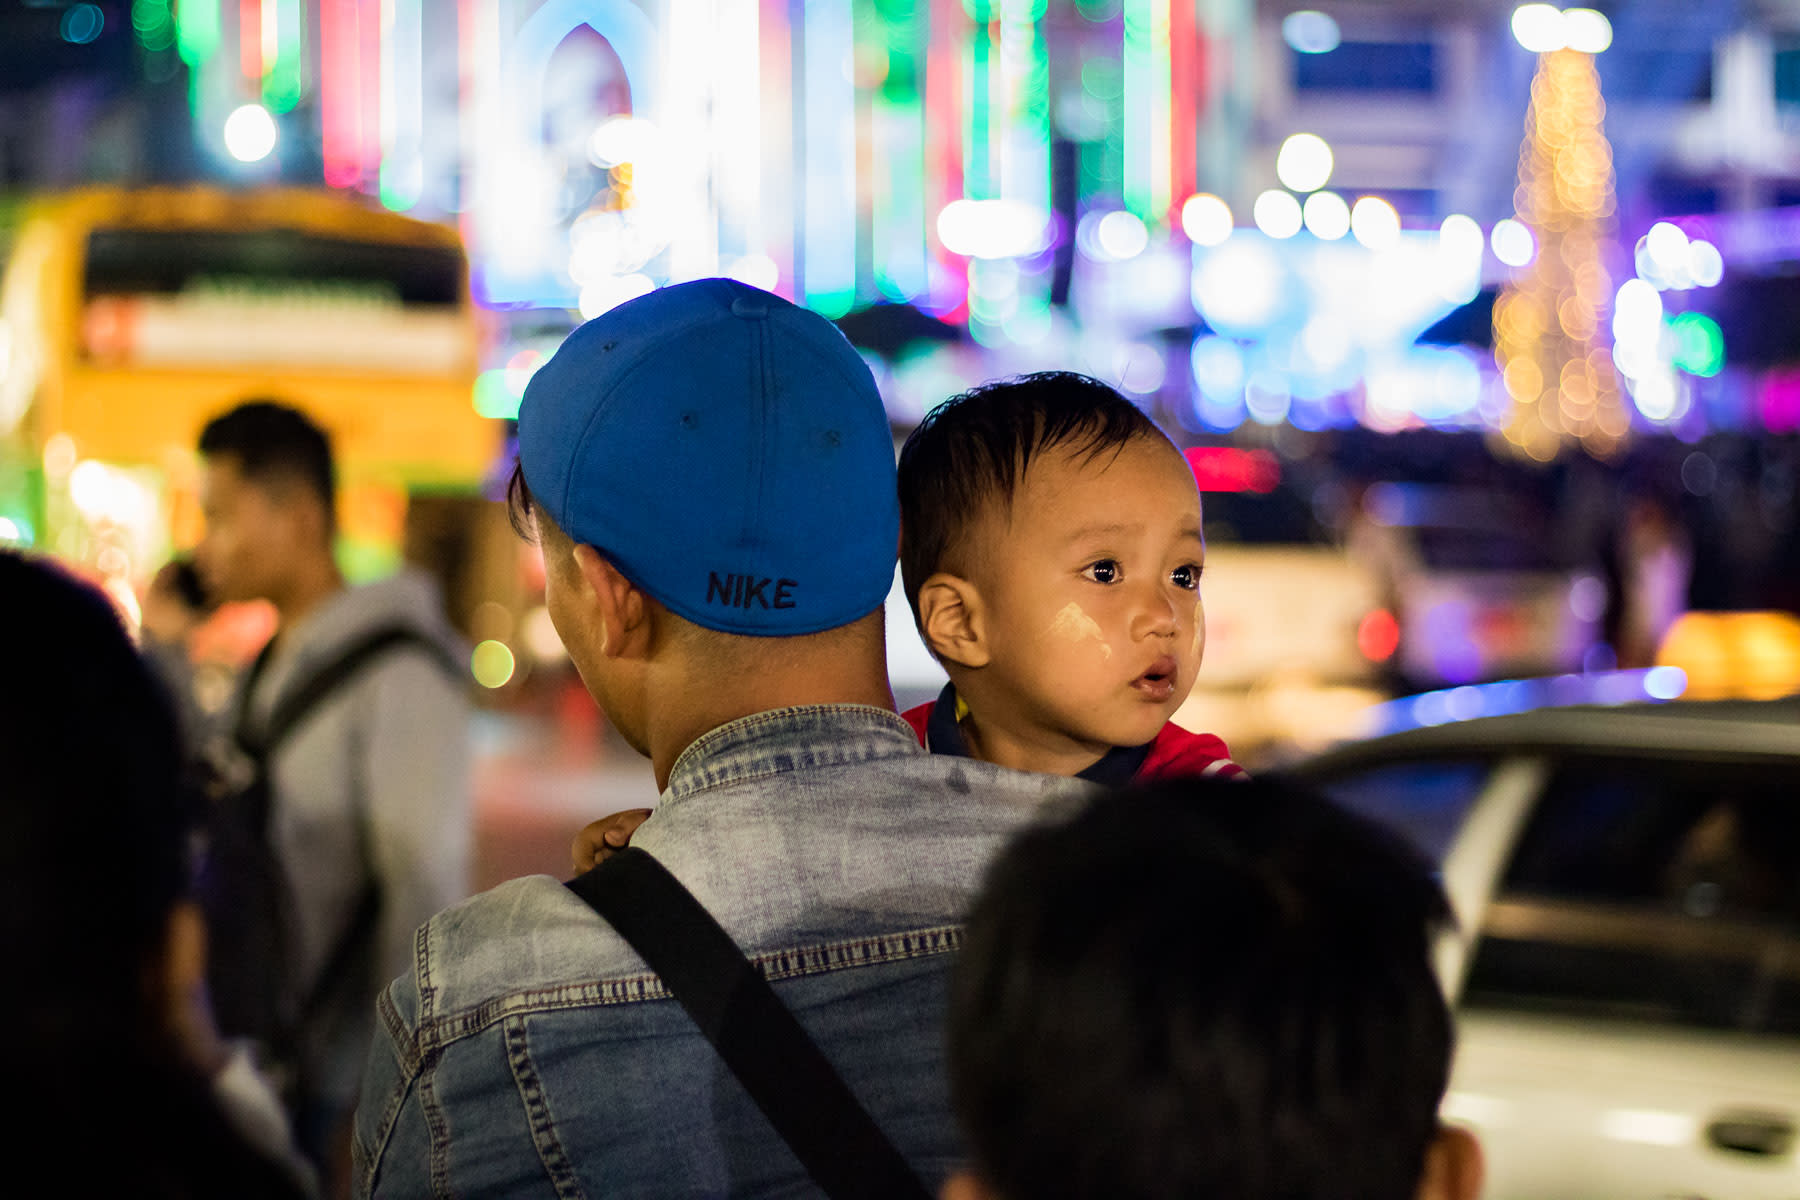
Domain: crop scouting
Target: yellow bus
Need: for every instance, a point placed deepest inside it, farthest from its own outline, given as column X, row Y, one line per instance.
column 131, row 316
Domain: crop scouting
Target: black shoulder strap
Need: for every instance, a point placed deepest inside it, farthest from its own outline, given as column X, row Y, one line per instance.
column 301, row 700
column 289, row 711
column 784, row 1071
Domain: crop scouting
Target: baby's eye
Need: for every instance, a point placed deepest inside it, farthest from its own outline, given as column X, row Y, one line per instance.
column 1104, row 571
column 1187, row 576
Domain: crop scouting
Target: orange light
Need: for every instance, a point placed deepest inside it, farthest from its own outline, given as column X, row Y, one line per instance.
column 1753, row 655
column 1378, row 636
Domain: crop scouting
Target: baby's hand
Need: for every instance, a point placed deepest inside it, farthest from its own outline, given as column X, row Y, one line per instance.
column 605, row 838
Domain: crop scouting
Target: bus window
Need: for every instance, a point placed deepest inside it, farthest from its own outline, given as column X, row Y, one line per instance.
column 131, row 317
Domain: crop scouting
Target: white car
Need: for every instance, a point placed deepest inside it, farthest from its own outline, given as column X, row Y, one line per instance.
column 1627, row 982
column 1475, row 585
column 1296, row 636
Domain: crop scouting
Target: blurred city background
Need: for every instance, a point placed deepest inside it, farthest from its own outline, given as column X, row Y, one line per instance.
column 1477, row 322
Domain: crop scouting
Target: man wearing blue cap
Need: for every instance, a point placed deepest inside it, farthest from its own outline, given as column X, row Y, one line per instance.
column 710, row 472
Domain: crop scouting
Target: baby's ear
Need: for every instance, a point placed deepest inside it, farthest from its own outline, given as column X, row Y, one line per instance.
column 953, row 621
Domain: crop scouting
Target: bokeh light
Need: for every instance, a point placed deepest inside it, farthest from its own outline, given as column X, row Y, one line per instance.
column 1327, row 216
column 1539, row 28
column 492, row 664
column 1121, row 235
column 1304, row 162
column 250, row 133
column 1699, row 344
column 1311, row 32
column 1277, row 214
column 991, row 228
column 1513, row 243
column 1206, row 219
column 1374, row 222
column 82, row 23
column 1586, row 30
column 1705, row 264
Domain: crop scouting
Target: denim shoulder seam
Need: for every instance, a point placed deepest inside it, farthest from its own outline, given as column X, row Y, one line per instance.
column 430, row 1052
column 406, row 1050
column 406, row 1047
column 644, row 987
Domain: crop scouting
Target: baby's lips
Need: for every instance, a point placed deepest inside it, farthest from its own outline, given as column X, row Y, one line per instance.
column 1164, row 668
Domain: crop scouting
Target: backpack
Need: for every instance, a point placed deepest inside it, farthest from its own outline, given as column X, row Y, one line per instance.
column 241, row 884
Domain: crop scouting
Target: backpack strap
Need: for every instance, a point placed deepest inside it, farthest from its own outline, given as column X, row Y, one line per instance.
column 289, row 711
column 783, row 1069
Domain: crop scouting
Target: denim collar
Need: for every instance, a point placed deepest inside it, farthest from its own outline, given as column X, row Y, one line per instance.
column 789, row 739
column 944, row 735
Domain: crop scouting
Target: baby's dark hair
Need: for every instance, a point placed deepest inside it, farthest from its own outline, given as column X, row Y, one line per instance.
column 973, row 450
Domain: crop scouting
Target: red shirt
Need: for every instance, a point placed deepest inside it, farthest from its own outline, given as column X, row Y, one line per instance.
column 1174, row 752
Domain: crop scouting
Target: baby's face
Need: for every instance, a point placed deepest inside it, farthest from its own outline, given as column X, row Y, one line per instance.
column 1092, row 592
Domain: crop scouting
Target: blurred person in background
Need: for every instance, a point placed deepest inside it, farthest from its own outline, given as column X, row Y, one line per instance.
column 1204, row 989
column 110, row 1044
column 368, row 809
column 1656, row 564
column 176, row 605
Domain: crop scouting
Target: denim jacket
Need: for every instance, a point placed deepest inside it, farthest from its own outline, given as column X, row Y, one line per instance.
column 530, row 1052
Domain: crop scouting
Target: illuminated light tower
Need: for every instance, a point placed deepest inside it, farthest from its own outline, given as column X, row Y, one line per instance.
column 1550, row 341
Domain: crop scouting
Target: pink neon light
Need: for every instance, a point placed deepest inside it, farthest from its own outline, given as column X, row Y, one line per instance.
column 1780, row 401
column 950, row 31
column 467, row 14
column 778, row 67
column 1187, row 75
column 250, row 56
column 368, row 109
column 338, row 100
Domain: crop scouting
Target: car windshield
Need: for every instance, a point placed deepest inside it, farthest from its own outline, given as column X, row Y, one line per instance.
column 1425, row 801
column 1450, row 549
column 1279, row 517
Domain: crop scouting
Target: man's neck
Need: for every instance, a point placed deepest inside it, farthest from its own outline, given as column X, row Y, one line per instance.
column 670, row 737
column 689, row 697
column 310, row 586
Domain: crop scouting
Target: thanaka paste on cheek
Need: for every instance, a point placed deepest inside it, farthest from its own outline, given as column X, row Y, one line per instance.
column 1074, row 624
column 1199, row 627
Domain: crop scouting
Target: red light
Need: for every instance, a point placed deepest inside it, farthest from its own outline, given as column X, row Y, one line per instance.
column 1223, row 469
column 1378, row 636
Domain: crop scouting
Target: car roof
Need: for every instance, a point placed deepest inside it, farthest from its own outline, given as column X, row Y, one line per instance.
column 1678, row 731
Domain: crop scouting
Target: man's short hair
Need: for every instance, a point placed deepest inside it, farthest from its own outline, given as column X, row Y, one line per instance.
column 1202, row 988
column 973, row 450
column 274, row 443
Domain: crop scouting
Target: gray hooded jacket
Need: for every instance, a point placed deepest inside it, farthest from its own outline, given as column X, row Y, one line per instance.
column 375, row 780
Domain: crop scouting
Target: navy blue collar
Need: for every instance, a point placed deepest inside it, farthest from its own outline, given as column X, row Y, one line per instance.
column 944, row 735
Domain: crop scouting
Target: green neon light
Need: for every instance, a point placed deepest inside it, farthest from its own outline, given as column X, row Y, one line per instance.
column 978, row 86
column 282, row 83
column 154, row 23
column 1699, row 344
column 494, row 396
column 831, row 304
column 197, row 30
column 1147, row 108
column 899, row 122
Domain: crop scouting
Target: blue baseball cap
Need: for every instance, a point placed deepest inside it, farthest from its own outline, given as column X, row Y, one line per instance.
column 727, row 451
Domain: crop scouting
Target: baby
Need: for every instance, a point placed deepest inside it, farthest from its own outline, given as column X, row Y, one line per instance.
column 1050, row 547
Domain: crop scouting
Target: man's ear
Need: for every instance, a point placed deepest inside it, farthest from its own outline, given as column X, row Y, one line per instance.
column 965, row 1185
column 1454, row 1168
column 622, row 607
column 953, row 621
